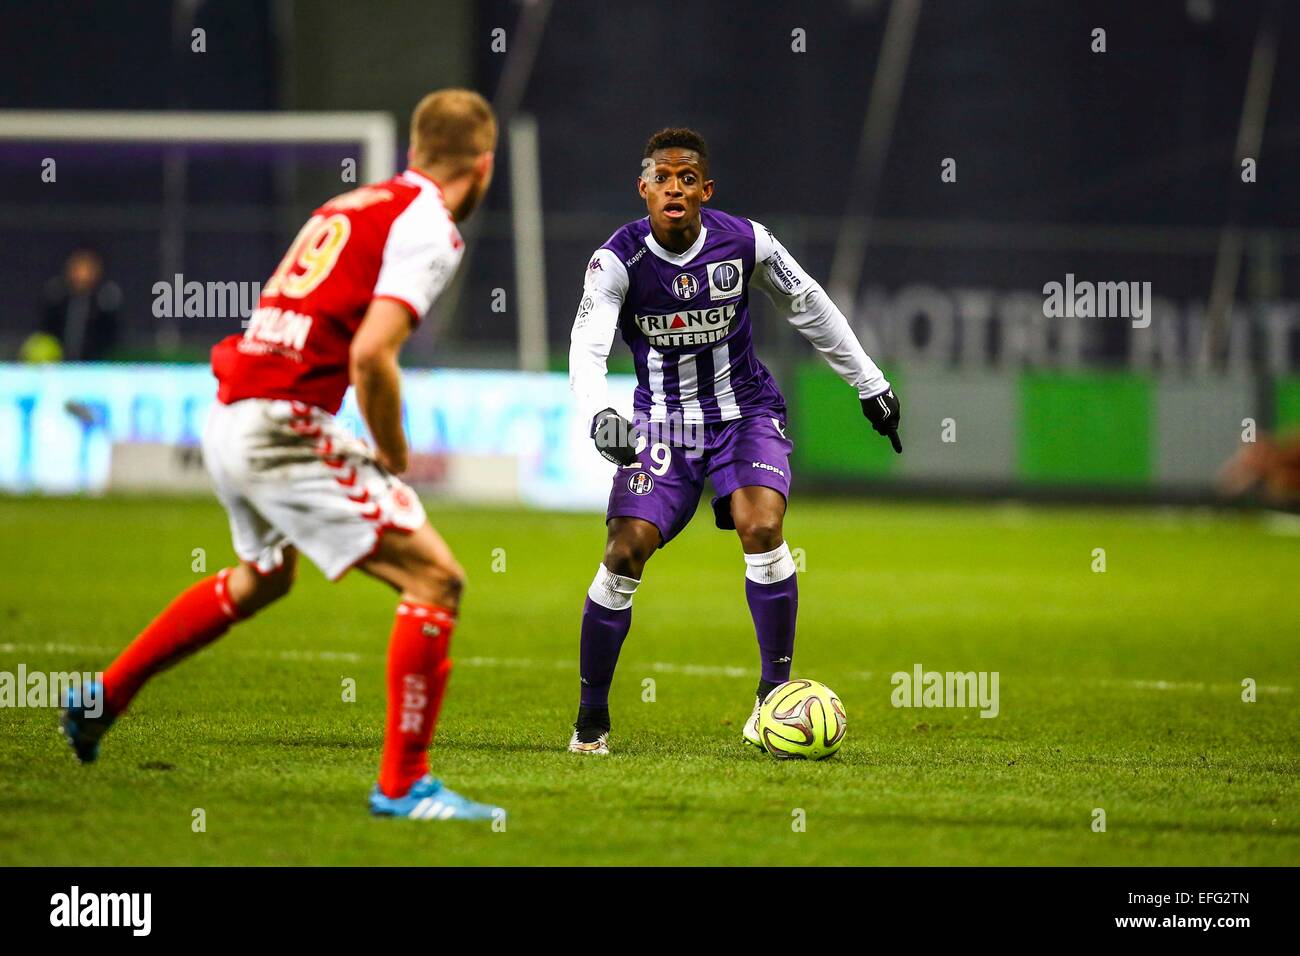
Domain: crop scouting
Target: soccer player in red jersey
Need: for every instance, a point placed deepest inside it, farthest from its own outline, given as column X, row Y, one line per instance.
column 336, row 311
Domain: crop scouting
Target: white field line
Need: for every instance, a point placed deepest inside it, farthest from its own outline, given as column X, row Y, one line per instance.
column 659, row 667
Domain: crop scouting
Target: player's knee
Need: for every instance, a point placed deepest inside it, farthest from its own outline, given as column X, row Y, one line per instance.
column 760, row 531
column 627, row 554
column 441, row 583
column 453, row 581
column 252, row 590
column 280, row 582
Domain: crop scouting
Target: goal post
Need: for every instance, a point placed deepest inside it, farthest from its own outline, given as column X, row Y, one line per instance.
column 176, row 180
column 375, row 131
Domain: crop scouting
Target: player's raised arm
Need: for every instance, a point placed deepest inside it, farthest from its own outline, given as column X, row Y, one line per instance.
column 594, row 326
column 810, row 310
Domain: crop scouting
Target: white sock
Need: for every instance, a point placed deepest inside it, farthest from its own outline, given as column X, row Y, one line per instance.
column 770, row 567
column 611, row 590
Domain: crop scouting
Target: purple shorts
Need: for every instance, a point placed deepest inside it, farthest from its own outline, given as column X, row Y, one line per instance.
column 665, row 485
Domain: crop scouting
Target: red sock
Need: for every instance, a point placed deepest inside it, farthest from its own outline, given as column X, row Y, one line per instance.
column 196, row 618
column 418, row 667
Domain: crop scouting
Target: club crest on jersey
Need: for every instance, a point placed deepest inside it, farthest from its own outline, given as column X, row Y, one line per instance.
column 640, row 484
column 685, row 287
column 726, row 279
column 687, row 327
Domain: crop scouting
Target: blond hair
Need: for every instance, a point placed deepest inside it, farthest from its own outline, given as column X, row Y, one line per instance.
column 450, row 128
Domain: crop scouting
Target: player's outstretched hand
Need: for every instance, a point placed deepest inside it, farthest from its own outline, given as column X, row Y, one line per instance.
column 882, row 411
column 614, row 437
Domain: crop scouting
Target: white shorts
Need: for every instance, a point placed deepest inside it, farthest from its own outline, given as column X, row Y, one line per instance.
column 288, row 473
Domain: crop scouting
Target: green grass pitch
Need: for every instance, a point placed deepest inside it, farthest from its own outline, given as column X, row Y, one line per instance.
column 1119, row 690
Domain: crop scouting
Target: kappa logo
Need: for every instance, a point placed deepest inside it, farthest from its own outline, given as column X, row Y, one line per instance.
column 640, row 484
column 726, row 279
column 685, row 287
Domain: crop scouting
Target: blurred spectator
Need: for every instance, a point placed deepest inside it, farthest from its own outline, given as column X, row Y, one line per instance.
column 79, row 312
column 1271, row 465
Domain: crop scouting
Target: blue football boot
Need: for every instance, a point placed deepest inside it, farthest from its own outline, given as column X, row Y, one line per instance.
column 84, row 729
column 428, row 799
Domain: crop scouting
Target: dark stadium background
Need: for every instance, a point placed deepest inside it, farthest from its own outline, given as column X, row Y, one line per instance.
column 1045, row 131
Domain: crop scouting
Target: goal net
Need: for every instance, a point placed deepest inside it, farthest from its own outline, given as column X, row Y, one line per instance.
column 170, row 198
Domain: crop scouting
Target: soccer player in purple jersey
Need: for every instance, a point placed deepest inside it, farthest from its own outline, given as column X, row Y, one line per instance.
column 676, row 286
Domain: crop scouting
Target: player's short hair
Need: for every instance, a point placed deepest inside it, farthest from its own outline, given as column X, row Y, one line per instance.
column 450, row 128
column 679, row 137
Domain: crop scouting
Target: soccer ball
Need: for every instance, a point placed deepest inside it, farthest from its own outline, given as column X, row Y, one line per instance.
column 801, row 719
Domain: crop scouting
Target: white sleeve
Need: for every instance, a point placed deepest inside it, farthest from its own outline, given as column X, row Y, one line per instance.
column 810, row 310
column 603, row 291
column 421, row 254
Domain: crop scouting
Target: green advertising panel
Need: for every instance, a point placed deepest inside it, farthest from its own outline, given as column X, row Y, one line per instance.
column 831, row 437
column 1085, row 429
column 1288, row 403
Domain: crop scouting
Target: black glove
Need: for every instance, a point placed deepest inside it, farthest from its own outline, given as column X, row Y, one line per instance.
column 614, row 437
column 882, row 411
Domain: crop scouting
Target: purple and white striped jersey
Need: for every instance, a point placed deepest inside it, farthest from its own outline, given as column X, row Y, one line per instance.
column 685, row 317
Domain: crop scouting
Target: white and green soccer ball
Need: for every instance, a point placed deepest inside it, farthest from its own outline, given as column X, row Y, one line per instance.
column 801, row 720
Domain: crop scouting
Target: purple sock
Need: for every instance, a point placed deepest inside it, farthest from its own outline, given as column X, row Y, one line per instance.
column 603, row 632
column 774, row 607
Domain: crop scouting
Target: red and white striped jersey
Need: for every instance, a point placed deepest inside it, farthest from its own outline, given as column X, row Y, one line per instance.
column 390, row 240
